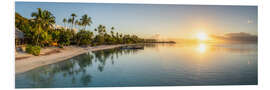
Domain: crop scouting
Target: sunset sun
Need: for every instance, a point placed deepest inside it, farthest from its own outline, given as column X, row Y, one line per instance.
column 202, row 36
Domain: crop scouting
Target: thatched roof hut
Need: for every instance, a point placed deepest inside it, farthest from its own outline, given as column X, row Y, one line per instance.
column 19, row 34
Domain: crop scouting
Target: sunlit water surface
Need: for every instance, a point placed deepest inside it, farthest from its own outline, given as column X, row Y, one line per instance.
column 155, row 65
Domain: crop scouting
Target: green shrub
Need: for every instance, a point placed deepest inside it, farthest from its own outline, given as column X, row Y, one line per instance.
column 94, row 44
column 84, row 37
column 35, row 50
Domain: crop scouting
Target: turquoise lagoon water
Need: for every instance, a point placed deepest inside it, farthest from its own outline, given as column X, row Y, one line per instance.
column 155, row 65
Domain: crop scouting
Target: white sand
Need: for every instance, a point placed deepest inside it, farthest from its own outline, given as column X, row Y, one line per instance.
column 26, row 64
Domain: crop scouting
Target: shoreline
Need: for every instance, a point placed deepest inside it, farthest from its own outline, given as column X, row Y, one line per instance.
column 28, row 62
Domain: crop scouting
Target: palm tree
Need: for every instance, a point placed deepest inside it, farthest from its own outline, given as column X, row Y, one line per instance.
column 77, row 24
column 42, row 20
column 70, row 22
column 73, row 15
column 86, row 21
column 101, row 29
column 65, row 21
column 117, row 35
column 112, row 28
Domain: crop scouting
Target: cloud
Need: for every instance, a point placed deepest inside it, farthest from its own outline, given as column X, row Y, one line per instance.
column 237, row 37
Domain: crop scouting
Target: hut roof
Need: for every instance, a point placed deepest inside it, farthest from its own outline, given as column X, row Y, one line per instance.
column 19, row 34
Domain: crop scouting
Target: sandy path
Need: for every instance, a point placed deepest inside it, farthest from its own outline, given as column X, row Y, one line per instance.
column 32, row 62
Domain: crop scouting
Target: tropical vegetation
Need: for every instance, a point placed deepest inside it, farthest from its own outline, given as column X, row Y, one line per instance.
column 41, row 31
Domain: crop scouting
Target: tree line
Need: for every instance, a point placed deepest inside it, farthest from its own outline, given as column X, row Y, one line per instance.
column 41, row 31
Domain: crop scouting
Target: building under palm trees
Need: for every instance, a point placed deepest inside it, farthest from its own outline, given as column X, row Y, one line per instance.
column 63, row 27
column 19, row 37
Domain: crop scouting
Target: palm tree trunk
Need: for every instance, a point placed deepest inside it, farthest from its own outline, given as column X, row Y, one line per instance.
column 65, row 25
column 37, row 41
column 72, row 25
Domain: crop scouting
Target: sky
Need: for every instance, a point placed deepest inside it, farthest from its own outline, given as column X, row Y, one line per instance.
column 151, row 20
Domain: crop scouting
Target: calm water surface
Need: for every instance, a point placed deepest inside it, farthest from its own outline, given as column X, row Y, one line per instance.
column 157, row 64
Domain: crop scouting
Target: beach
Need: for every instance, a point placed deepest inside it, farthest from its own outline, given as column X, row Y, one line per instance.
column 25, row 62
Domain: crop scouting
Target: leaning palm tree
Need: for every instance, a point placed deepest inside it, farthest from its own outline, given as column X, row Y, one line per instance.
column 86, row 21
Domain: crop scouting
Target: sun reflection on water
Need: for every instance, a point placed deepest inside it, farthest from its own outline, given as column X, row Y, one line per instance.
column 201, row 48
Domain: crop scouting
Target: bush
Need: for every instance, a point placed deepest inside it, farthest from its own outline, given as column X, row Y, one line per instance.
column 84, row 37
column 94, row 44
column 65, row 37
column 35, row 50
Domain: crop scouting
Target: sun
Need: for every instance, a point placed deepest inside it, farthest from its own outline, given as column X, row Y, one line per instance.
column 202, row 36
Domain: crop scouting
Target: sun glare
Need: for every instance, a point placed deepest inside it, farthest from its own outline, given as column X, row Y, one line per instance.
column 202, row 36
column 201, row 48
